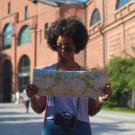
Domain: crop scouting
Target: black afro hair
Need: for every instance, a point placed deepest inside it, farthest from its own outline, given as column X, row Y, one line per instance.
column 69, row 27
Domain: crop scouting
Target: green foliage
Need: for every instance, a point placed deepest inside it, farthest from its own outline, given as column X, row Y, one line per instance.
column 119, row 109
column 121, row 74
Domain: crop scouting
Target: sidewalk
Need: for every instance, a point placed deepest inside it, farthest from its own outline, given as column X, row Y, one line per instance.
column 14, row 120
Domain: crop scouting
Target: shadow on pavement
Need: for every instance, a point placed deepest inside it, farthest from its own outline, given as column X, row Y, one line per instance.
column 32, row 128
column 11, row 113
column 22, row 118
column 101, row 128
column 14, row 121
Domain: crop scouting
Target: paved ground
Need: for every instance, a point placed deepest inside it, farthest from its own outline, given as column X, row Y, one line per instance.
column 14, row 121
column 110, row 123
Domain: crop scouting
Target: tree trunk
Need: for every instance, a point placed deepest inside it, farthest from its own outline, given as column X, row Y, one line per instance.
column 133, row 99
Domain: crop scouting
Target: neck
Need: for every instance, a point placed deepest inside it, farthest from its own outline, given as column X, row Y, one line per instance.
column 68, row 65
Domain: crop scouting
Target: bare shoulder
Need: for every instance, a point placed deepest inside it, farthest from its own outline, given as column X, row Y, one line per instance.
column 51, row 67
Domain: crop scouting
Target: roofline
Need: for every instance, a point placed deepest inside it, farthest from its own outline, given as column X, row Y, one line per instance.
column 46, row 2
column 59, row 4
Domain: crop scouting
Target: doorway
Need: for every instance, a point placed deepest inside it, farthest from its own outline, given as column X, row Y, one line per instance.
column 7, row 81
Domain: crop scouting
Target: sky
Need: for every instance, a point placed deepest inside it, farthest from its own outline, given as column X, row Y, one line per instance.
column 65, row 1
column 82, row 0
column 72, row 0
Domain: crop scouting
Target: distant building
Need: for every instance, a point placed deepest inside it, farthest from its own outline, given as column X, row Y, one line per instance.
column 23, row 28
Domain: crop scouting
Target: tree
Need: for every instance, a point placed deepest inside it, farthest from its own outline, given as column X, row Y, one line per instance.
column 121, row 74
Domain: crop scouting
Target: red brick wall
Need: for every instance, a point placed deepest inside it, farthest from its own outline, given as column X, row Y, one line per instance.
column 112, row 36
column 37, row 51
column 94, row 53
column 46, row 14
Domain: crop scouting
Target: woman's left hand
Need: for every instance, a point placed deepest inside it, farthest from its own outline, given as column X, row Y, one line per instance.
column 108, row 92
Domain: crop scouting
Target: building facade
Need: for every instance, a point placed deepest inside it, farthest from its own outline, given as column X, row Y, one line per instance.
column 23, row 28
column 112, row 33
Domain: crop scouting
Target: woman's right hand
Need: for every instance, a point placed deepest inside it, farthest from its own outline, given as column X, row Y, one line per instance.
column 31, row 90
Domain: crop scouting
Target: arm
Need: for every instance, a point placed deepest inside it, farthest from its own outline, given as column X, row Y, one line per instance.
column 38, row 103
column 94, row 106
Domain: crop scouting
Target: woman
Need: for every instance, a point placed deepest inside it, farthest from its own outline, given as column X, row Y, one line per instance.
column 68, row 37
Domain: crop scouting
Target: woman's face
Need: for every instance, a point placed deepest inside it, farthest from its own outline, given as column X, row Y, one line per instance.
column 65, row 47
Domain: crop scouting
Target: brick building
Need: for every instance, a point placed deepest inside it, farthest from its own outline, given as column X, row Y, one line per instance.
column 23, row 26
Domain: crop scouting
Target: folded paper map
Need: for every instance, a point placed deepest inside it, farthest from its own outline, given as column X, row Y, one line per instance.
column 69, row 83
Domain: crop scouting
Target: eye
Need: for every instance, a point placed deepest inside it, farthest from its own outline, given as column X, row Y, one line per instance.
column 59, row 44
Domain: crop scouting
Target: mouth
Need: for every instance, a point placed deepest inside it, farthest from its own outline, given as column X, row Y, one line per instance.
column 63, row 54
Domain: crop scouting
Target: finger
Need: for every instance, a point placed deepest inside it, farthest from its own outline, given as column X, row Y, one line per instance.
column 108, row 89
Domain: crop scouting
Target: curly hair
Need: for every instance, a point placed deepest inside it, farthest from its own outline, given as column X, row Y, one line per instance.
column 69, row 27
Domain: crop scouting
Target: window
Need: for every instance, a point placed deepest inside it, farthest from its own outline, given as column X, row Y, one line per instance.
column 121, row 3
column 23, row 72
column 26, row 14
column 24, row 36
column 7, row 36
column 45, row 30
column 9, row 8
column 95, row 17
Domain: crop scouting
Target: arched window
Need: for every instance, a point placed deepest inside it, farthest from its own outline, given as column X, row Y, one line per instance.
column 23, row 72
column 9, row 7
column 24, row 36
column 121, row 3
column 26, row 13
column 95, row 17
column 46, row 29
column 7, row 36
